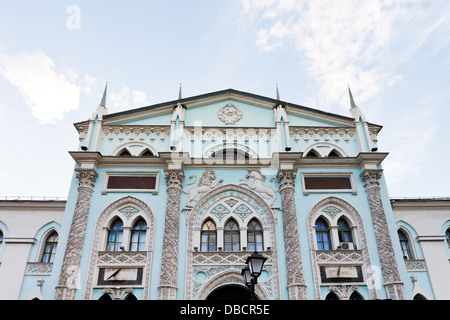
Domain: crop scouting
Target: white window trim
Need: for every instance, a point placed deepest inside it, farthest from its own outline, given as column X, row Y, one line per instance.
column 156, row 174
column 352, row 190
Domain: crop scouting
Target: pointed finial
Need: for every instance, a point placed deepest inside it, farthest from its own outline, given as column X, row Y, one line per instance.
column 103, row 102
column 179, row 93
column 352, row 102
column 278, row 94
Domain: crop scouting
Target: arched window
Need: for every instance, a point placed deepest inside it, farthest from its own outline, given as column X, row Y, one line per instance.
column 404, row 243
column 115, row 236
column 138, row 233
column 419, row 296
column 147, row 153
column 208, row 236
column 231, row 236
column 312, row 154
column 130, row 297
column 344, row 231
column 447, row 236
column 333, row 154
column 322, row 235
column 105, row 297
column 1, row 237
column 332, row 296
column 356, row 296
column 125, row 153
column 48, row 254
column 255, row 236
column 230, row 154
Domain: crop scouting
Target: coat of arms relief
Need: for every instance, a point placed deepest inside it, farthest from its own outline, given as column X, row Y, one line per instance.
column 229, row 114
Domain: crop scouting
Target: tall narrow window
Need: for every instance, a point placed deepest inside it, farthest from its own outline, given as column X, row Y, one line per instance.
column 344, row 231
column 255, row 236
column 404, row 243
column 138, row 233
column 208, row 236
column 48, row 255
column 115, row 236
column 1, row 237
column 322, row 235
column 231, row 236
column 447, row 236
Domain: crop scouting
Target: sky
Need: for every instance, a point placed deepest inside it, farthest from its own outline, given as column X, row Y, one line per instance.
column 56, row 57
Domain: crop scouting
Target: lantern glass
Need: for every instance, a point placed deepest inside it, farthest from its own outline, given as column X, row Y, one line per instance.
column 255, row 264
column 247, row 276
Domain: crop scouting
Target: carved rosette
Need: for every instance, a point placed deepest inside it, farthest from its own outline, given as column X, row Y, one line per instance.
column 72, row 256
column 168, row 282
column 389, row 268
column 295, row 279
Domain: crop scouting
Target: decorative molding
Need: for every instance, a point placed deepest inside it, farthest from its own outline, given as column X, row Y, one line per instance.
column 218, row 266
column 168, row 279
column 389, row 268
column 351, row 257
column 229, row 114
column 39, row 268
column 416, row 265
column 295, row 279
column 68, row 279
column 117, row 293
column 102, row 258
column 129, row 211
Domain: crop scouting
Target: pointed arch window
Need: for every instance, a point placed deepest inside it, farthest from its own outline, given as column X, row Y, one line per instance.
column 312, row 154
column 404, row 243
column 147, row 153
column 333, row 154
column 51, row 242
column 208, row 236
column 231, row 236
column 322, row 235
column 115, row 236
column 356, row 296
column 138, row 234
column 332, row 296
column 255, row 236
column 447, row 236
column 344, row 231
column 125, row 153
column 1, row 237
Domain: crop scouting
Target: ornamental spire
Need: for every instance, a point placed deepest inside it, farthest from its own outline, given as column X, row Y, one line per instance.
column 179, row 93
column 352, row 102
column 103, row 102
column 278, row 94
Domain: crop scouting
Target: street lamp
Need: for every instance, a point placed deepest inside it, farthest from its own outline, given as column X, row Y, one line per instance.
column 252, row 271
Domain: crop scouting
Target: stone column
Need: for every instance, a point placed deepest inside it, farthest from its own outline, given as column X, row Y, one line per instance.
column 295, row 279
column 65, row 290
column 167, row 289
column 389, row 268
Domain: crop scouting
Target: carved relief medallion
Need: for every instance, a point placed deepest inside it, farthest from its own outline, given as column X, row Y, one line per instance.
column 229, row 114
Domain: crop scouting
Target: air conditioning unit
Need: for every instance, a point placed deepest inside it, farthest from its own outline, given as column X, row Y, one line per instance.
column 347, row 245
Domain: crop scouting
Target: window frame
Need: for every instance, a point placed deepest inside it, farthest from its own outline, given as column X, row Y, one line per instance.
column 209, row 232
column 233, row 233
column 49, row 244
column 155, row 190
column 116, row 233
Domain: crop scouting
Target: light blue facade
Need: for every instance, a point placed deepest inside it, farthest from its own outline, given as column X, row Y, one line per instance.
column 276, row 136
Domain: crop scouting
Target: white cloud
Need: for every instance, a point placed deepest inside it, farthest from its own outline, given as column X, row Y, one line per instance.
column 49, row 94
column 127, row 98
column 353, row 42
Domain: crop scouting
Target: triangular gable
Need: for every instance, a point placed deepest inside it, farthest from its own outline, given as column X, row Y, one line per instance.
column 209, row 110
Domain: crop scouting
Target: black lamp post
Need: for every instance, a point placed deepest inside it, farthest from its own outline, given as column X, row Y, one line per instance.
column 252, row 271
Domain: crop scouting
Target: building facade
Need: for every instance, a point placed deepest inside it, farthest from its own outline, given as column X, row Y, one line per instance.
column 168, row 201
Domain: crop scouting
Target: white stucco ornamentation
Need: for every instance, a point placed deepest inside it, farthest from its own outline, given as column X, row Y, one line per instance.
column 229, row 114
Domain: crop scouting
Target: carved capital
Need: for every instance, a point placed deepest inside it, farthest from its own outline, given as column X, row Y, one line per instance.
column 286, row 178
column 174, row 177
column 86, row 177
column 370, row 177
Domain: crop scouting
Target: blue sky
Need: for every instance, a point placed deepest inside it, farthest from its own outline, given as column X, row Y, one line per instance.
column 56, row 56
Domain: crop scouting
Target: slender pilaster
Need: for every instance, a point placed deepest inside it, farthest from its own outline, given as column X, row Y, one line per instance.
column 167, row 289
column 295, row 279
column 72, row 256
column 389, row 268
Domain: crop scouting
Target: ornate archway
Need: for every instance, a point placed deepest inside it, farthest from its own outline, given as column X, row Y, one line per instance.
column 206, row 271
